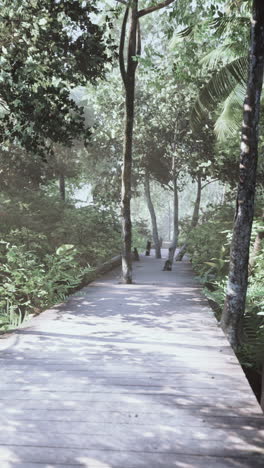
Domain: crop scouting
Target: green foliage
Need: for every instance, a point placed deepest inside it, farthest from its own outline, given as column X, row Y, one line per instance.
column 219, row 88
column 48, row 249
column 140, row 234
column 210, row 260
column 28, row 285
column 252, row 350
column 95, row 231
column 48, row 48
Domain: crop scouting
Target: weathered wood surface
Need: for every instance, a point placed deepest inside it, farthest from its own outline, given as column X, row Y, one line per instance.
column 127, row 376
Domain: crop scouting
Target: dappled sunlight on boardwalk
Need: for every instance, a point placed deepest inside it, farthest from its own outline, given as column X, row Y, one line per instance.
column 123, row 376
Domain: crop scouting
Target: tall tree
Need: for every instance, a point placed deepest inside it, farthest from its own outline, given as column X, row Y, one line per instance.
column 239, row 255
column 128, row 73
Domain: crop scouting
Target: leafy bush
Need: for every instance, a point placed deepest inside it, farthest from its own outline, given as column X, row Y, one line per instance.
column 252, row 350
column 209, row 246
column 28, row 285
column 140, row 235
column 95, row 232
column 48, row 249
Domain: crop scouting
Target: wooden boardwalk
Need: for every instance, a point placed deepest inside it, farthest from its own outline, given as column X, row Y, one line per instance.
column 122, row 376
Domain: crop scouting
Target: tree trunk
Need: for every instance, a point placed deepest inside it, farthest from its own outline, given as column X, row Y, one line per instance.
column 239, row 254
column 129, row 82
column 128, row 76
column 223, row 197
column 194, row 221
column 174, row 242
column 195, row 216
column 62, row 187
column 169, row 216
column 262, row 390
column 152, row 213
column 126, row 186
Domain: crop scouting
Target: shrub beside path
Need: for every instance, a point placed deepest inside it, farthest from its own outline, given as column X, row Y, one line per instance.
column 136, row 376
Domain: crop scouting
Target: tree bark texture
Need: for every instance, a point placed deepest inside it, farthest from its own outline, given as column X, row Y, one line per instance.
column 239, row 254
column 262, row 389
column 62, row 187
column 152, row 213
column 174, row 242
column 194, row 221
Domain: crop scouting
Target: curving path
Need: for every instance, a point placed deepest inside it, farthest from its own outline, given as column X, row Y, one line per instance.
column 123, row 376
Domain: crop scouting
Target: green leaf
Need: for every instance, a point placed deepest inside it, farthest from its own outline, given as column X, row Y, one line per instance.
column 42, row 22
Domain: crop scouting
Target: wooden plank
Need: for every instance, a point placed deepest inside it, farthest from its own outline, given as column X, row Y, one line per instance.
column 93, row 412
column 161, row 439
column 116, row 459
column 170, row 397
column 128, row 377
column 93, row 459
column 69, row 422
column 85, row 382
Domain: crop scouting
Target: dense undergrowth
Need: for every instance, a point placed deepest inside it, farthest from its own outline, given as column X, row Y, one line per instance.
column 47, row 249
column 208, row 246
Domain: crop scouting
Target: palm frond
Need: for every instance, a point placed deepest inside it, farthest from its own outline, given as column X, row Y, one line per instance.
column 230, row 119
column 186, row 31
column 223, row 54
column 218, row 89
column 221, row 24
column 185, row 34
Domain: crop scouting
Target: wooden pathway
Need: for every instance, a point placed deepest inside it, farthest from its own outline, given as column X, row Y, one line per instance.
column 122, row 376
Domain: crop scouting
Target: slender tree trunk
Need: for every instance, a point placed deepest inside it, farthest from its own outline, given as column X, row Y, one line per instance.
column 262, row 390
column 175, row 235
column 174, row 242
column 223, row 197
column 62, row 187
column 195, row 216
column 129, row 82
column 152, row 213
column 126, row 187
column 239, row 255
column 194, row 221
column 169, row 216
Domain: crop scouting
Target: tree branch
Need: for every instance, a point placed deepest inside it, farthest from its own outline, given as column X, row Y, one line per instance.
column 208, row 183
column 121, row 48
column 146, row 11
